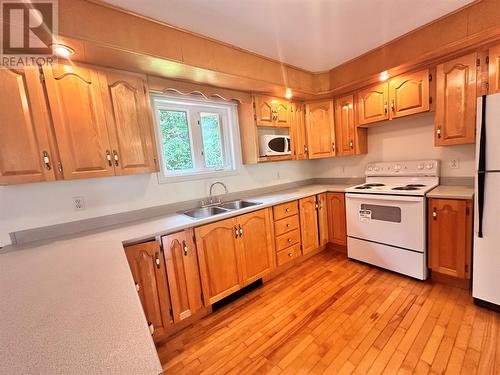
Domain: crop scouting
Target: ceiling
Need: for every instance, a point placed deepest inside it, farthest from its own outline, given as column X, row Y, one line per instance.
column 315, row 35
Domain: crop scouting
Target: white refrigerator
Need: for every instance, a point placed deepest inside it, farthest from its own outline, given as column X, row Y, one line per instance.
column 486, row 260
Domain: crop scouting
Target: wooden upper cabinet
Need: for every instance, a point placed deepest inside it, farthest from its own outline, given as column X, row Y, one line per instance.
column 336, row 218
column 494, row 70
column 320, row 129
column 308, row 224
column 255, row 245
column 270, row 111
column 183, row 276
column 373, row 104
column 409, row 94
column 344, row 125
column 322, row 218
column 79, row 120
column 450, row 236
column 455, row 120
column 129, row 122
column 148, row 270
column 299, row 129
column 26, row 154
column 219, row 259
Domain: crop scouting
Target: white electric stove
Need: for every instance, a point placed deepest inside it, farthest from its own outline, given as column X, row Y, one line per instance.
column 386, row 216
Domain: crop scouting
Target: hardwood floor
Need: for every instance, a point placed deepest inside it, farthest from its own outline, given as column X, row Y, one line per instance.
column 331, row 315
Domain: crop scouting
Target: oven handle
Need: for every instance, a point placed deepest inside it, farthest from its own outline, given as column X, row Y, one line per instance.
column 380, row 197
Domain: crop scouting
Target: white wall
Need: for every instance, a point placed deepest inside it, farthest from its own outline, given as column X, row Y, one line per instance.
column 410, row 138
column 35, row 205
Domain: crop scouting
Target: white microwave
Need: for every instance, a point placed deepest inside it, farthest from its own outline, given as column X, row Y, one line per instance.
column 273, row 145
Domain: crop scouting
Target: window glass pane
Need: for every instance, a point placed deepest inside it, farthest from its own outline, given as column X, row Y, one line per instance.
column 174, row 130
column 212, row 145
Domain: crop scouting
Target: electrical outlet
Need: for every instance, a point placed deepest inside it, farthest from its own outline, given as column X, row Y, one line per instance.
column 455, row 164
column 79, row 203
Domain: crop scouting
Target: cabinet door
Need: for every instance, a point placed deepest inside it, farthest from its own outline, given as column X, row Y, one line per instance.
column 25, row 148
column 183, row 274
column 322, row 218
column 148, row 270
column 219, row 259
column 494, row 70
column 320, row 129
column 455, row 119
column 448, row 226
column 264, row 111
column 129, row 122
column 255, row 245
column 299, row 128
column 308, row 224
column 80, row 125
column 409, row 94
column 282, row 112
column 344, row 125
column 337, row 219
column 372, row 104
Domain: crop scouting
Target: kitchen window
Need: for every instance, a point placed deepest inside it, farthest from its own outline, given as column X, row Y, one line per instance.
column 196, row 138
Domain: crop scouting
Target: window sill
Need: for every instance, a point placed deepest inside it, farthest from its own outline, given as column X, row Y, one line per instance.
column 162, row 179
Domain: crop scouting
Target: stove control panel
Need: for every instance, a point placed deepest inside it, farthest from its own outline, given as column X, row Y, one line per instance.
column 404, row 168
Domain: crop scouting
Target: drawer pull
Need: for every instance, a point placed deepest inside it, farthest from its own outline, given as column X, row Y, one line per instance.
column 290, row 254
column 289, row 240
column 287, row 210
column 288, row 225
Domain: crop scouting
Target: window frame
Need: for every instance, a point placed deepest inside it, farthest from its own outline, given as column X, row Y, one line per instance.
column 229, row 135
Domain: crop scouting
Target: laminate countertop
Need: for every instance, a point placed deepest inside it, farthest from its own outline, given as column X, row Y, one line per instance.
column 70, row 306
column 451, row 192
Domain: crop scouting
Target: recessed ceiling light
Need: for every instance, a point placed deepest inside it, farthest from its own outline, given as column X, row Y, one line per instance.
column 62, row 50
column 384, row 76
column 288, row 93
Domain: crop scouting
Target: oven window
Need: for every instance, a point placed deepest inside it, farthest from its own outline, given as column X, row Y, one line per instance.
column 383, row 213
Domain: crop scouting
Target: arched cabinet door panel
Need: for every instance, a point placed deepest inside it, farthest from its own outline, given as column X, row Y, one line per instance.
column 320, row 129
column 409, row 94
column 26, row 152
column 373, row 104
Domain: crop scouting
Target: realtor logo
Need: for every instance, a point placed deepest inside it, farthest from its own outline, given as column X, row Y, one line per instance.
column 29, row 29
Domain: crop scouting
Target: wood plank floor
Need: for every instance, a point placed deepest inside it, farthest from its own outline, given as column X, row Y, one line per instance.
column 331, row 315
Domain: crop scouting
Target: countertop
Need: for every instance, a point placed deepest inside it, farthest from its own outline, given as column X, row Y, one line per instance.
column 70, row 305
column 451, row 192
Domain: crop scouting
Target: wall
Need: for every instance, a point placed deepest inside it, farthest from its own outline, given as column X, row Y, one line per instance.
column 35, row 205
column 410, row 138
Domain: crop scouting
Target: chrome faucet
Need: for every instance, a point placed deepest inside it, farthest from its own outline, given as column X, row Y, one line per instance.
column 210, row 197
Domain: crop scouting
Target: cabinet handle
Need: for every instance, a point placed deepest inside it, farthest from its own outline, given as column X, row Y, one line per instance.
column 434, row 214
column 289, row 240
column 287, row 210
column 333, row 146
column 185, row 248
column 115, row 156
column 392, row 105
column 290, row 254
column 320, row 204
column 385, row 107
column 108, row 158
column 137, row 287
column 157, row 259
column 240, row 230
column 151, row 328
column 351, row 145
column 288, row 225
column 46, row 160
column 438, row 131
column 306, row 151
column 235, row 231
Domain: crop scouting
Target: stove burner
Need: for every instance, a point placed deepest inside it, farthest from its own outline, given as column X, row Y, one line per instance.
column 363, row 187
column 415, row 185
column 405, row 188
column 374, row 185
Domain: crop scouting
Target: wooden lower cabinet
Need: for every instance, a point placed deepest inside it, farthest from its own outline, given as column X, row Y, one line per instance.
column 450, row 237
column 233, row 253
column 309, row 224
column 337, row 232
column 322, row 218
column 181, row 261
column 148, row 270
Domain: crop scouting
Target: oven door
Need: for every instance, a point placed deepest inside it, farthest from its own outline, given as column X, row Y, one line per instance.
column 387, row 219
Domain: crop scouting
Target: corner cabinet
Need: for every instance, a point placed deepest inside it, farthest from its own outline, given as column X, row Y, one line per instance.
column 320, row 129
column 181, row 262
column 450, row 237
column 26, row 151
column 299, row 131
column 234, row 253
column 455, row 120
column 351, row 140
column 148, row 270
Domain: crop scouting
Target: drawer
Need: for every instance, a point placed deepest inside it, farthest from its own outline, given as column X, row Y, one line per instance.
column 286, row 225
column 286, row 209
column 287, row 255
column 287, row 239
